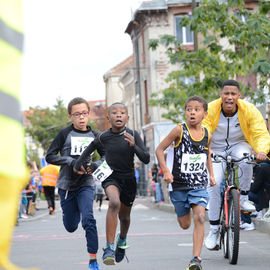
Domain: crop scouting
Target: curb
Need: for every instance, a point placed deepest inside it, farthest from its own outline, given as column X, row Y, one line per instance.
column 262, row 226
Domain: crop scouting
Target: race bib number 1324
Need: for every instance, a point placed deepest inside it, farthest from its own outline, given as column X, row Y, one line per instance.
column 193, row 163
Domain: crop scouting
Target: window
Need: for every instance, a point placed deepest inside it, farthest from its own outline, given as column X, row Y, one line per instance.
column 186, row 80
column 242, row 17
column 184, row 34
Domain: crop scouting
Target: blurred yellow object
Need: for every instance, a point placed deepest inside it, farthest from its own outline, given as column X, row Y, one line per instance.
column 9, row 197
column 13, row 171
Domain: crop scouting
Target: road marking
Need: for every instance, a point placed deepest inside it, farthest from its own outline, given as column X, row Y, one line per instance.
column 191, row 244
column 21, row 237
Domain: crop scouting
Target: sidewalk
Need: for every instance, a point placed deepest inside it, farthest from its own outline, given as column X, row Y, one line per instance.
column 41, row 211
column 260, row 225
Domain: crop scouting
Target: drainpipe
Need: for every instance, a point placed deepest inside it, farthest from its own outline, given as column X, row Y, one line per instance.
column 195, row 36
column 138, row 90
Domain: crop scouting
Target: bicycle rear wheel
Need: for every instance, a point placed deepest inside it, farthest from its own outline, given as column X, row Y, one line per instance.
column 233, row 233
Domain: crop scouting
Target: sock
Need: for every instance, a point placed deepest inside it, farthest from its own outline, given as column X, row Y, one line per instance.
column 110, row 245
column 121, row 242
column 92, row 261
column 243, row 197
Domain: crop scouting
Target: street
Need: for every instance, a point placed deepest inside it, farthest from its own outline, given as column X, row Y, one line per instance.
column 156, row 242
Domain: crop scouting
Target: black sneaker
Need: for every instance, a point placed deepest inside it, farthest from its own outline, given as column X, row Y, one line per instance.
column 108, row 256
column 195, row 264
column 120, row 251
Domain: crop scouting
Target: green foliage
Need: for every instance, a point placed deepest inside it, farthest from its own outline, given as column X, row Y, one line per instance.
column 32, row 154
column 247, row 52
column 45, row 123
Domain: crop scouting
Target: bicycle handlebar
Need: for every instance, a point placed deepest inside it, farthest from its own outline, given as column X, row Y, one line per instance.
column 230, row 159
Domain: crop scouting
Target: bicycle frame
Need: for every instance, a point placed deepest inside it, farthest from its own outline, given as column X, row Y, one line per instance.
column 229, row 184
column 230, row 211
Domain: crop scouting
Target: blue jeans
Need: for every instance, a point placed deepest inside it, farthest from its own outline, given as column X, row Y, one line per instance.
column 76, row 204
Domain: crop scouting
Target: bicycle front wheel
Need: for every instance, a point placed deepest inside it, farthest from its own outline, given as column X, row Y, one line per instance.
column 233, row 233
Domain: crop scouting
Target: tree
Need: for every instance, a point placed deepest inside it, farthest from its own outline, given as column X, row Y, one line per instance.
column 247, row 52
column 45, row 123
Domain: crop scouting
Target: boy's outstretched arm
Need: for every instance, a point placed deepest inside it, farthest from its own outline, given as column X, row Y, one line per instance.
column 55, row 147
column 173, row 136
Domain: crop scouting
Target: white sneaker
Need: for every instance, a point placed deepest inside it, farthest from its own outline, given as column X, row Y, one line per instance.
column 247, row 205
column 247, row 226
column 257, row 214
column 211, row 240
column 266, row 216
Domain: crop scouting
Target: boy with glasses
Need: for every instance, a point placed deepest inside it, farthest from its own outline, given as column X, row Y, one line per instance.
column 77, row 191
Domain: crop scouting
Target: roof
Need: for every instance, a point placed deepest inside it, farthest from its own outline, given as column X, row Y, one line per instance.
column 154, row 5
column 119, row 69
column 97, row 109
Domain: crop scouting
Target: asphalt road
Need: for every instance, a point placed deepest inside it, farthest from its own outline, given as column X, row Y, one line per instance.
column 156, row 242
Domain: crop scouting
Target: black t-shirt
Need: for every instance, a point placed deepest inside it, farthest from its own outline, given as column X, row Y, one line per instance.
column 118, row 153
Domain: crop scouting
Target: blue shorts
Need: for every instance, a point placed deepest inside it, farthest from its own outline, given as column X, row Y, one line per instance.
column 183, row 199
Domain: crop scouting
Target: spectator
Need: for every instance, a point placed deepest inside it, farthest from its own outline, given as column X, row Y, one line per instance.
column 99, row 193
column 156, row 180
column 49, row 175
column 260, row 189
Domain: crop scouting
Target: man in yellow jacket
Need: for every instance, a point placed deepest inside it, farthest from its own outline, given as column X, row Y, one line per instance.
column 237, row 127
column 13, row 172
column 49, row 176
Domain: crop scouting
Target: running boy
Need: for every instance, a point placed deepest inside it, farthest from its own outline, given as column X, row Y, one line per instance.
column 76, row 191
column 120, row 144
column 186, row 170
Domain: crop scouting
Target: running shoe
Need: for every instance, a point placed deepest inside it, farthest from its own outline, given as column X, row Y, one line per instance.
column 247, row 226
column 108, row 256
column 246, row 205
column 257, row 214
column 93, row 266
column 211, row 240
column 120, row 251
column 195, row 264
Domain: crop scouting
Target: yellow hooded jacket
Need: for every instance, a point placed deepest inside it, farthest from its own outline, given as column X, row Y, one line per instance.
column 251, row 122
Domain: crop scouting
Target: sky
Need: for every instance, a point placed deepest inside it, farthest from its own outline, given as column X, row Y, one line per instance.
column 69, row 45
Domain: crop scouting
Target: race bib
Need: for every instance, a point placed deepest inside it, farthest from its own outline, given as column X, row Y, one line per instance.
column 78, row 144
column 102, row 172
column 193, row 163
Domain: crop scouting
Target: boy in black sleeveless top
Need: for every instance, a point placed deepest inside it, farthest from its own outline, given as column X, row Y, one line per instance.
column 186, row 171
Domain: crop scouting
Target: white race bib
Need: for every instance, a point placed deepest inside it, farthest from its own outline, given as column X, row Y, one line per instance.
column 78, row 144
column 102, row 172
column 193, row 163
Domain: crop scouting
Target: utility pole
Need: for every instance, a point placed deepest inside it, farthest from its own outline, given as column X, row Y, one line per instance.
column 195, row 37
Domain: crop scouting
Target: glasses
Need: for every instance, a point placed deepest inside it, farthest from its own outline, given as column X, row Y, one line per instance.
column 77, row 115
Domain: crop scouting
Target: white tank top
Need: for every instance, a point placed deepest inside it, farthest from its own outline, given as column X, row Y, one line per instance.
column 227, row 134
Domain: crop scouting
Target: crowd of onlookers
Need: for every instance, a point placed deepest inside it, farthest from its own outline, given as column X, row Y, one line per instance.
column 32, row 191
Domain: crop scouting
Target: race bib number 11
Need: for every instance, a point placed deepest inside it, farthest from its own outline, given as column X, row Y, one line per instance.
column 193, row 163
column 102, row 172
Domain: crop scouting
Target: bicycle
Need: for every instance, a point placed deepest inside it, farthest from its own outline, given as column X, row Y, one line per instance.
column 230, row 208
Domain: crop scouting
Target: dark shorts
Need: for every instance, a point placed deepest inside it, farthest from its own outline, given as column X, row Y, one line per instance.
column 127, row 188
column 183, row 199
